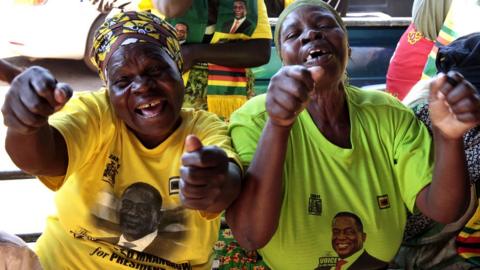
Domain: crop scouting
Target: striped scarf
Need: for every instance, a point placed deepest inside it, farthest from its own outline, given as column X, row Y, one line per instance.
column 461, row 20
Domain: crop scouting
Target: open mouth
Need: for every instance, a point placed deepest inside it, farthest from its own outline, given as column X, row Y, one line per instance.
column 151, row 109
column 318, row 57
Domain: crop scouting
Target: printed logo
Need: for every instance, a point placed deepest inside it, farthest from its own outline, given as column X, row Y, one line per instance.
column 413, row 37
column 315, row 205
column 383, row 201
column 111, row 170
column 174, row 185
column 326, row 262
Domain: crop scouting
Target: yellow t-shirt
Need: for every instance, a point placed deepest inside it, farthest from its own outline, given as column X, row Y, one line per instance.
column 105, row 158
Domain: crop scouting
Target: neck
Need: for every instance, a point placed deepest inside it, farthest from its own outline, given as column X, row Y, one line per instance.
column 327, row 104
column 329, row 111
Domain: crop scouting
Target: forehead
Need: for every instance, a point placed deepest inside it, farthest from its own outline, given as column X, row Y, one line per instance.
column 138, row 194
column 307, row 12
column 140, row 54
column 344, row 221
column 239, row 3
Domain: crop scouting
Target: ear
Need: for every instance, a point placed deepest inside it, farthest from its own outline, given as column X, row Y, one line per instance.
column 349, row 52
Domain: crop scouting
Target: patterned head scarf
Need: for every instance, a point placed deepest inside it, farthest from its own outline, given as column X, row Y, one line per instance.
column 294, row 6
column 133, row 27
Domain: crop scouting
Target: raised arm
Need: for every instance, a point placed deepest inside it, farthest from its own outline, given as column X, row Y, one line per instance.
column 172, row 8
column 33, row 145
column 8, row 71
column 239, row 53
column 261, row 196
column 454, row 109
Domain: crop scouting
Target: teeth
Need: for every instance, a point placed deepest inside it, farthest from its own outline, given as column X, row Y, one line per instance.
column 148, row 105
column 317, row 53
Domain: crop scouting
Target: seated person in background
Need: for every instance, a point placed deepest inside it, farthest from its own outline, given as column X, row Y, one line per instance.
column 91, row 148
column 427, row 244
column 218, row 58
column 8, row 71
column 411, row 54
column 15, row 254
column 316, row 146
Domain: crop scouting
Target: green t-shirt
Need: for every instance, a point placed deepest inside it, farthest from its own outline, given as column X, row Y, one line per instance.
column 390, row 161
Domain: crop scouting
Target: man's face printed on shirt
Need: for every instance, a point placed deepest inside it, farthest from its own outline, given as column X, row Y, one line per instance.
column 347, row 237
column 239, row 9
column 139, row 212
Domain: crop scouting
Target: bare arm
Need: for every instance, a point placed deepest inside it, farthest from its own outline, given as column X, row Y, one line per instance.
column 173, row 8
column 241, row 53
column 453, row 110
column 8, row 71
column 31, row 142
column 261, row 196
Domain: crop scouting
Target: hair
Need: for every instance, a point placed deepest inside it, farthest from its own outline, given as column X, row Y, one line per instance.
column 298, row 4
column 157, row 198
column 358, row 221
column 184, row 23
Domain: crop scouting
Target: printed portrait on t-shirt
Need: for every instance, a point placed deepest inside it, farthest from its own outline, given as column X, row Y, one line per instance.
column 141, row 221
column 241, row 18
column 348, row 238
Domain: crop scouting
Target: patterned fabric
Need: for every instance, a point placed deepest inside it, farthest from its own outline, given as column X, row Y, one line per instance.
column 457, row 23
column 468, row 240
column 231, row 256
column 133, row 27
column 196, row 88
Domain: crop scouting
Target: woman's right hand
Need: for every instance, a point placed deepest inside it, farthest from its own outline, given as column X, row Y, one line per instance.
column 289, row 92
column 33, row 96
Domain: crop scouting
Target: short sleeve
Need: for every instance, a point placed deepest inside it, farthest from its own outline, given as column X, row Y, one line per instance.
column 213, row 131
column 246, row 126
column 80, row 124
column 413, row 157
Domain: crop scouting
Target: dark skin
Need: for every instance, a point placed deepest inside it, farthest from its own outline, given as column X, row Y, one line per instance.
column 313, row 81
column 8, row 71
column 231, row 54
column 146, row 92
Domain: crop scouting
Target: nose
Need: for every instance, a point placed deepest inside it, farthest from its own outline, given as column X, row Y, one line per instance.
column 141, row 84
column 310, row 35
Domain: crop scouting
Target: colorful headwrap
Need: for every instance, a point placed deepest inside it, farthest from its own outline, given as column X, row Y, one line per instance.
column 294, row 6
column 133, row 27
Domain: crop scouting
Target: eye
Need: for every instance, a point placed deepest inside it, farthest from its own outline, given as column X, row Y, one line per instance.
column 291, row 35
column 122, row 82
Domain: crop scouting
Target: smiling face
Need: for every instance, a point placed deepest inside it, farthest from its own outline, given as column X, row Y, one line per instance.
column 146, row 91
column 311, row 36
column 139, row 211
column 239, row 9
column 347, row 237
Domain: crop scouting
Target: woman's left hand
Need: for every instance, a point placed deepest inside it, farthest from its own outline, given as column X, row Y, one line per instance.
column 454, row 105
column 203, row 175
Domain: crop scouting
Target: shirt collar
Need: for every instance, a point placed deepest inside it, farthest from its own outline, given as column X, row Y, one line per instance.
column 140, row 244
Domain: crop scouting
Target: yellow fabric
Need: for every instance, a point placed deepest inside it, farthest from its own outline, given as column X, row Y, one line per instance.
column 104, row 159
column 288, row 2
column 225, row 105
